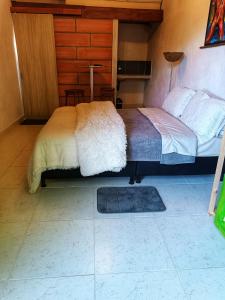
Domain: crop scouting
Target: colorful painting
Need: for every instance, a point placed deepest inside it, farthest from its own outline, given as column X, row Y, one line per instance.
column 215, row 33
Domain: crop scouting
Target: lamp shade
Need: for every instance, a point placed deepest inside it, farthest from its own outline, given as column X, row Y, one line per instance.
column 173, row 56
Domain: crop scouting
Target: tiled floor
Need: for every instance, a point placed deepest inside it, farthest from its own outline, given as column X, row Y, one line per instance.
column 55, row 245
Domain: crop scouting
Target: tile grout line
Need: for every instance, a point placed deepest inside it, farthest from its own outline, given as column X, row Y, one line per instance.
column 24, row 239
column 106, row 274
column 170, row 255
column 108, row 218
column 94, row 197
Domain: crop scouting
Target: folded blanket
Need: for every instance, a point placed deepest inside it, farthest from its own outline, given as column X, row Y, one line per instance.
column 90, row 136
column 176, row 136
column 101, row 138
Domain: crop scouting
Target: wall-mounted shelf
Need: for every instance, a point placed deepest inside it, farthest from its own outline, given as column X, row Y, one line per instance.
column 141, row 77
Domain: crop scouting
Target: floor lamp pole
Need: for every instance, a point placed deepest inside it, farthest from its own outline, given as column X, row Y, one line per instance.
column 171, row 76
column 92, row 82
column 172, row 57
column 91, row 67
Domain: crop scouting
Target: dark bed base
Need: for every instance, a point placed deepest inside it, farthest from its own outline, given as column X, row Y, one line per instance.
column 137, row 170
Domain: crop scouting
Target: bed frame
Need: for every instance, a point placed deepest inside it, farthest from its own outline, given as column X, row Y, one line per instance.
column 137, row 170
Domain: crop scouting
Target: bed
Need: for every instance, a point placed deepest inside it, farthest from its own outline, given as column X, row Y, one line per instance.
column 153, row 142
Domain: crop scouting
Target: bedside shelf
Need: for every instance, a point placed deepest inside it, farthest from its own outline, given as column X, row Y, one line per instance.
column 125, row 77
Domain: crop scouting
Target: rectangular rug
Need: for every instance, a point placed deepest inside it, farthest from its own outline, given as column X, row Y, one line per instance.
column 129, row 200
column 34, row 122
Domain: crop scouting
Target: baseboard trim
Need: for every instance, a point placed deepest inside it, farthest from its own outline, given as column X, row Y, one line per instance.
column 17, row 121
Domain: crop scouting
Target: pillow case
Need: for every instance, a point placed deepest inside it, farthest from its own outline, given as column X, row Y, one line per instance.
column 177, row 100
column 204, row 115
column 221, row 133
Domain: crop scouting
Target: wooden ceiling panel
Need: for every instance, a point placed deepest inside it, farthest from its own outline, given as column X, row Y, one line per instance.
column 137, row 4
column 92, row 12
column 41, row 1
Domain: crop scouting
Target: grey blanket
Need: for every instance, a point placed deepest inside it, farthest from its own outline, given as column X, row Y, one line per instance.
column 145, row 142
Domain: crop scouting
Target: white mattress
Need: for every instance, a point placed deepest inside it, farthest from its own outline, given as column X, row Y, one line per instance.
column 209, row 148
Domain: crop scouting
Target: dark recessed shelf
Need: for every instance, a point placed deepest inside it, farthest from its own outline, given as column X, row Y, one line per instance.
column 125, row 76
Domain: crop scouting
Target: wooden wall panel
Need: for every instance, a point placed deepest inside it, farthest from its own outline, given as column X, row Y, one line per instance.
column 64, row 25
column 94, row 53
column 99, row 78
column 67, row 78
column 37, row 59
column 73, row 66
column 94, row 26
column 72, row 39
column 66, row 52
column 106, row 66
column 89, row 42
column 101, row 40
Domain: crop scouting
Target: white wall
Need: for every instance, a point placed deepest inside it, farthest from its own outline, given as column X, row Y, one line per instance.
column 11, row 108
column 183, row 29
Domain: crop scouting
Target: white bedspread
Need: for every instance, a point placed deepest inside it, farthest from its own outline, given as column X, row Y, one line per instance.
column 101, row 138
column 90, row 136
column 176, row 136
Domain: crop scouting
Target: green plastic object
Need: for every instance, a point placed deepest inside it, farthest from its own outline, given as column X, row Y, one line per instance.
column 220, row 212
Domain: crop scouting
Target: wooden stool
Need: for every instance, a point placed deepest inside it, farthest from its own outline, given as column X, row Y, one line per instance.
column 107, row 93
column 75, row 93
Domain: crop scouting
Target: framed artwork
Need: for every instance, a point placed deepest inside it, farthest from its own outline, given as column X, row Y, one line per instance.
column 215, row 33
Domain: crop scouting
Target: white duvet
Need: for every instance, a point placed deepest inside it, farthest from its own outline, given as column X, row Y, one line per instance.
column 90, row 136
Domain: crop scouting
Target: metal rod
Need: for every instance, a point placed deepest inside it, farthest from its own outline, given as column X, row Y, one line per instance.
column 91, row 67
column 171, row 76
column 92, row 82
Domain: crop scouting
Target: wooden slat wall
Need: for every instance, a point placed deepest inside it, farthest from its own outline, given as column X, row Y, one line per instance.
column 37, row 59
column 80, row 42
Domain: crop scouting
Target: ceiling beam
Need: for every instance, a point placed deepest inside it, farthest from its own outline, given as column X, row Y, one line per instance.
column 121, row 14
column 45, row 8
column 42, row 1
column 143, row 4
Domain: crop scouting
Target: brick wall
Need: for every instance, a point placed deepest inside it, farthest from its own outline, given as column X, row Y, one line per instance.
column 80, row 42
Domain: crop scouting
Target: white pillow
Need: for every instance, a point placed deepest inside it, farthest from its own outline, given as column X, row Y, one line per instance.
column 177, row 100
column 204, row 115
column 221, row 133
column 190, row 114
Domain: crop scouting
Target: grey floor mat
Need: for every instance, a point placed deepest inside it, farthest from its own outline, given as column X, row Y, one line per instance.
column 129, row 200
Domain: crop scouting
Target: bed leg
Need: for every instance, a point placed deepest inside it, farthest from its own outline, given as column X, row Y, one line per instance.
column 138, row 179
column 43, row 183
column 133, row 175
column 131, row 180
